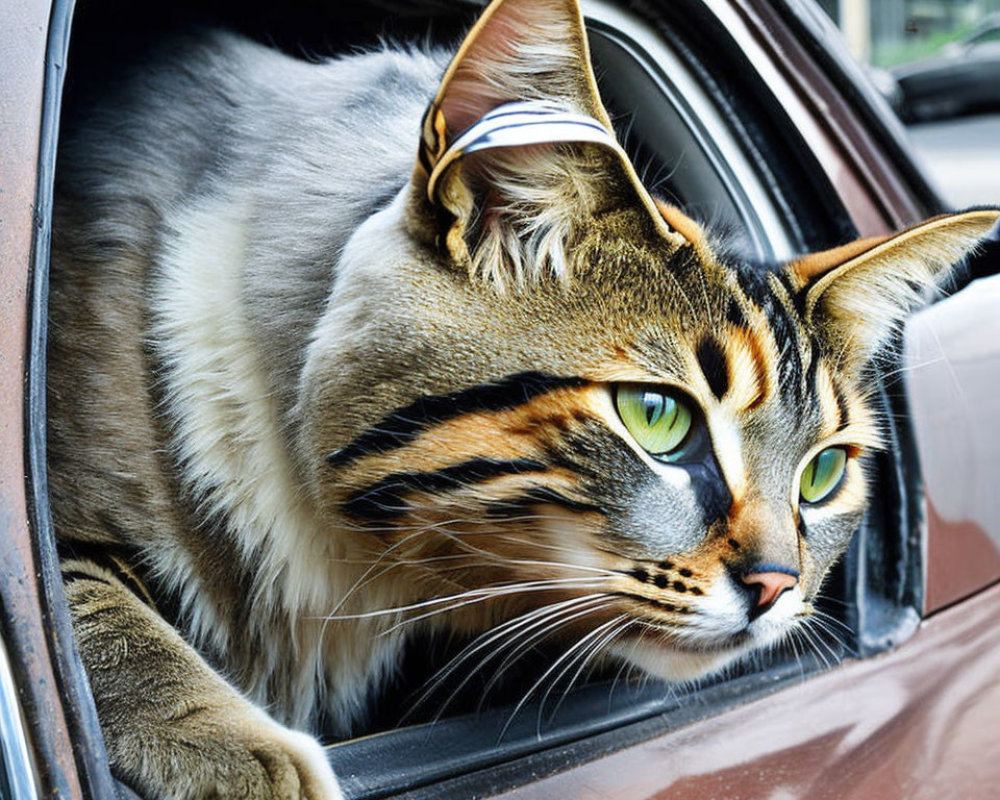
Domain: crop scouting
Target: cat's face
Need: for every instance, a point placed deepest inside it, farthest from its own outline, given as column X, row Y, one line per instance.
column 630, row 451
column 555, row 409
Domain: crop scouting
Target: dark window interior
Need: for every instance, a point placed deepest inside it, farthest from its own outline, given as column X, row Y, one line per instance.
column 874, row 594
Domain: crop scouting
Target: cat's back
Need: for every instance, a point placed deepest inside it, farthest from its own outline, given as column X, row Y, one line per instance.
column 212, row 111
column 216, row 134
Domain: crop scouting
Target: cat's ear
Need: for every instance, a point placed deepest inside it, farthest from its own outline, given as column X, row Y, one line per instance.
column 517, row 151
column 859, row 293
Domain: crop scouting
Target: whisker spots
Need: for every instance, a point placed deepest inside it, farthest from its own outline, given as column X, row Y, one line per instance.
column 667, row 580
column 640, row 575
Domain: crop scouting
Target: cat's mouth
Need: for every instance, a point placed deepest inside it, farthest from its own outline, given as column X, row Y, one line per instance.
column 718, row 629
column 694, row 650
column 685, row 641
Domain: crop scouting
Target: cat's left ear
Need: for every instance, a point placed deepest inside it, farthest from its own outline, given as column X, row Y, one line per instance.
column 858, row 294
column 517, row 151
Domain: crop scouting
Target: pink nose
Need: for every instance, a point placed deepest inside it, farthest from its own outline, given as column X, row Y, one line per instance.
column 772, row 585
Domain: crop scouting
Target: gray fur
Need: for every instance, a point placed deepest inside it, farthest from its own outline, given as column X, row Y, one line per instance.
column 319, row 147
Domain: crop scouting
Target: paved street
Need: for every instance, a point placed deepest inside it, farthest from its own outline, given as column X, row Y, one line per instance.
column 963, row 158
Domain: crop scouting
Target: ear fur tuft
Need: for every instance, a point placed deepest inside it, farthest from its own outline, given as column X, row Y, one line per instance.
column 516, row 211
column 859, row 294
column 521, row 50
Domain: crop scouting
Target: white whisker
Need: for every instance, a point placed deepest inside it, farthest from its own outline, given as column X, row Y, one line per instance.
column 516, row 628
column 585, row 657
column 555, row 665
column 477, row 595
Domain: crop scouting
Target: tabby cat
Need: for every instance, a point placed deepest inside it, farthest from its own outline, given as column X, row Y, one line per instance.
column 342, row 352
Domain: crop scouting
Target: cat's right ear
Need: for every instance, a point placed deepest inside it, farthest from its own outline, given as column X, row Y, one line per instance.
column 517, row 151
column 858, row 294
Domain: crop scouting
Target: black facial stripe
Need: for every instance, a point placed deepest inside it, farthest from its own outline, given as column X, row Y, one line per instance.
column 712, row 360
column 757, row 286
column 786, row 338
column 798, row 298
column 809, row 388
column 403, row 425
column 541, row 494
column 842, row 405
column 385, row 499
column 752, row 281
column 734, row 314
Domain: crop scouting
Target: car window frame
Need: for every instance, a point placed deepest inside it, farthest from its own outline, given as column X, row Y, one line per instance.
column 90, row 774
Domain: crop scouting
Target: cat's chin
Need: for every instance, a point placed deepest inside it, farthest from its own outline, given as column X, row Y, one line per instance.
column 677, row 665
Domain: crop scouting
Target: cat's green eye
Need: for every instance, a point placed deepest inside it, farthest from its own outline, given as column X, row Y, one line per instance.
column 822, row 475
column 658, row 421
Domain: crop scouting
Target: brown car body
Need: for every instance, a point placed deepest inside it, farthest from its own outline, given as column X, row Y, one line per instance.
column 920, row 720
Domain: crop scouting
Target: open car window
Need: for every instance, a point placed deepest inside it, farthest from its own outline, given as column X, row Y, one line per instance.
column 707, row 135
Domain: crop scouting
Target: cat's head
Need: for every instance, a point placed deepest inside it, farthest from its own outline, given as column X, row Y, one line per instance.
column 549, row 406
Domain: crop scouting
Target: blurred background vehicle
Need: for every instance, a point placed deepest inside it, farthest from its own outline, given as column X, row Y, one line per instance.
column 963, row 79
column 938, row 64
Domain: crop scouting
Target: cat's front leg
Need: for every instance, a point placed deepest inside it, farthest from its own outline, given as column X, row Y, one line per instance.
column 173, row 727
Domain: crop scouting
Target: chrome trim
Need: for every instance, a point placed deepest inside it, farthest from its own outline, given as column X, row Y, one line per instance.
column 18, row 766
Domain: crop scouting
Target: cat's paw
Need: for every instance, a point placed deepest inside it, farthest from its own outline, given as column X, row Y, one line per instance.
column 172, row 726
column 285, row 765
column 236, row 756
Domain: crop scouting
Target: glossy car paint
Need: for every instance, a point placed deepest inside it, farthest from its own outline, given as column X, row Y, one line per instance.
column 919, row 721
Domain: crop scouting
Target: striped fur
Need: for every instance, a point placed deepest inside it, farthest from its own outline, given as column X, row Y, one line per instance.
column 303, row 409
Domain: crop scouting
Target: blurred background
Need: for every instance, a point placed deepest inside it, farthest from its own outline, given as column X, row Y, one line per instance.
column 937, row 62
